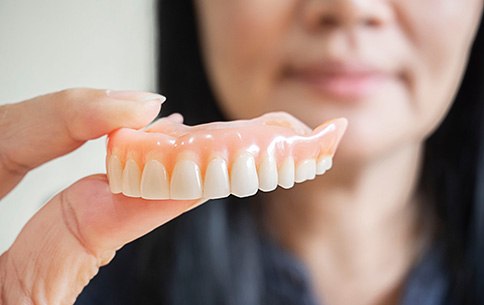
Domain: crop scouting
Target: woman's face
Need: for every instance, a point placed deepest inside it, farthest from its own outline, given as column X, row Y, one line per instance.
column 391, row 67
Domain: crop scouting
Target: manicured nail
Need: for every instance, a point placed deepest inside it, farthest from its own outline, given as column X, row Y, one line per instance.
column 135, row 95
column 152, row 105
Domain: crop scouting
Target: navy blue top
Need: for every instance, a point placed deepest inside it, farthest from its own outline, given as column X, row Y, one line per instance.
column 288, row 280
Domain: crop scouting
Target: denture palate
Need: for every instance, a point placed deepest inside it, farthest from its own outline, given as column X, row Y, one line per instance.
column 170, row 160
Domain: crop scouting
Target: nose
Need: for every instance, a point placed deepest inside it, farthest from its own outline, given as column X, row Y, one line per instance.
column 327, row 14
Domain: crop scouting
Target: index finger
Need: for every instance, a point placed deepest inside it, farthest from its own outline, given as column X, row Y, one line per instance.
column 40, row 129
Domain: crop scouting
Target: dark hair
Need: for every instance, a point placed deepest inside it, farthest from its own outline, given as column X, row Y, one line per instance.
column 210, row 256
column 453, row 180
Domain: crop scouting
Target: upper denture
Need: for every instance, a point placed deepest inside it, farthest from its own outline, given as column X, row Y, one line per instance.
column 169, row 160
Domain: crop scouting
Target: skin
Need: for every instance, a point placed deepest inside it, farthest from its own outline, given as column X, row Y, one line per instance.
column 248, row 45
column 63, row 246
column 340, row 225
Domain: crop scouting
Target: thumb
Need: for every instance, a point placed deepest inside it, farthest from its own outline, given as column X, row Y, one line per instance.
column 62, row 247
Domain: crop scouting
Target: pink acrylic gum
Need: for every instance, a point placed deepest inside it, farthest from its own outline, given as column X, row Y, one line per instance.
column 271, row 139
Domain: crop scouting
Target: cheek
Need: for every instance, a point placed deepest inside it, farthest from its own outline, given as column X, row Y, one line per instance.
column 243, row 29
column 441, row 39
column 242, row 42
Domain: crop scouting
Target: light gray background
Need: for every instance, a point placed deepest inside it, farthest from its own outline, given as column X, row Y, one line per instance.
column 55, row 44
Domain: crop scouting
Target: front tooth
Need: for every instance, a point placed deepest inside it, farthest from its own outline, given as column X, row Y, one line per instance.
column 268, row 174
column 286, row 173
column 324, row 164
column 306, row 170
column 115, row 174
column 243, row 176
column 216, row 183
column 186, row 180
column 131, row 179
column 154, row 181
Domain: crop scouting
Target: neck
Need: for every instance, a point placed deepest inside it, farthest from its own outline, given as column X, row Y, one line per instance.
column 351, row 224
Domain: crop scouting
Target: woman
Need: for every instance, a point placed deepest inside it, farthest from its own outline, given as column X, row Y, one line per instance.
column 398, row 220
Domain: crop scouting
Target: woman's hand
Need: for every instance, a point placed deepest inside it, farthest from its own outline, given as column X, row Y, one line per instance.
column 63, row 246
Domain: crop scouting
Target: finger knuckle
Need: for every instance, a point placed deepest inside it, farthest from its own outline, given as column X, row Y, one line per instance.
column 71, row 221
column 77, row 106
column 13, row 285
column 73, row 99
column 79, row 94
column 12, row 167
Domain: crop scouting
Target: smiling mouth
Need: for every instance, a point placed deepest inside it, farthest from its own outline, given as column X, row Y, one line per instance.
column 340, row 81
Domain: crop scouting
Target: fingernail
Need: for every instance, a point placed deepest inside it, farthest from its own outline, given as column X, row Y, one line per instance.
column 135, row 95
column 152, row 105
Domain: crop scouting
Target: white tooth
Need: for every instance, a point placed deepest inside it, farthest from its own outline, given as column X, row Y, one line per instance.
column 186, row 180
column 131, row 179
column 243, row 176
column 286, row 173
column 216, row 183
column 154, row 181
column 115, row 174
column 306, row 170
column 324, row 164
column 268, row 174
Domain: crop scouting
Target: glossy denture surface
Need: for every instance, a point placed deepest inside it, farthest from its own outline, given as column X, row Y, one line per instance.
column 170, row 160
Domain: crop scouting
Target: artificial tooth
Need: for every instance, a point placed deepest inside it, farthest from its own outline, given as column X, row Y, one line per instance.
column 186, row 180
column 216, row 183
column 306, row 170
column 267, row 174
column 324, row 164
column 115, row 174
column 154, row 181
column 243, row 176
column 131, row 179
column 286, row 173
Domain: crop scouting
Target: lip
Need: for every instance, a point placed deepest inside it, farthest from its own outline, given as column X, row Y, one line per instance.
column 349, row 81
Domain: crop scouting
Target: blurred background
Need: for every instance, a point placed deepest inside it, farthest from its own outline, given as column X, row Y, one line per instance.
column 55, row 44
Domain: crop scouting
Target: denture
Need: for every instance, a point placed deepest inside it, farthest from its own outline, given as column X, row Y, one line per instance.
column 170, row 160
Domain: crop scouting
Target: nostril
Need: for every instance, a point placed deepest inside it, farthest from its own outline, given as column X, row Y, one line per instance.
column 371, row 23
column 329, row 21
column 319, row 15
